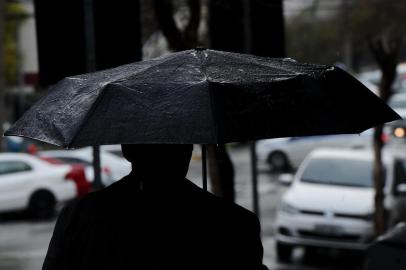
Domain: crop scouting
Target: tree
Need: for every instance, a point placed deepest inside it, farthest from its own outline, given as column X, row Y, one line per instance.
column 252, row 26
column 342, row 30
column 306, row 33
column 178, row 39
column 14, row 16
column 382, row 30
column 386, row 53
column 2, row 79
column 181, row 37
column 11, row 15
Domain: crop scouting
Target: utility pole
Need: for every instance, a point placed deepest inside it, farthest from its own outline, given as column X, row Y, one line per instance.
column 91, row 67
column 347, row 42
column 2, row 71
column 263, row 36
column 253, row 152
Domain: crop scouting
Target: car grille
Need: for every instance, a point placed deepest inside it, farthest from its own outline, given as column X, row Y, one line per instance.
column 321, row 236
column 363, row 217
column 340, row 215
column 309, row 212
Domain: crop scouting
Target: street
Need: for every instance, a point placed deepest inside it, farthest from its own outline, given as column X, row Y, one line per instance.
column 23, row 244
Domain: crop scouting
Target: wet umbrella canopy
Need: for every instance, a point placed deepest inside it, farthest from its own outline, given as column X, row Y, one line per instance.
column 205, row 97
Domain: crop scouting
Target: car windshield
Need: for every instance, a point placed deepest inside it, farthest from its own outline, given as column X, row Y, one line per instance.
column 342, row 172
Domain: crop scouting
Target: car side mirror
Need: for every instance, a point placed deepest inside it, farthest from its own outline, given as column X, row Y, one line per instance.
column 285, row 179
column 401, row 189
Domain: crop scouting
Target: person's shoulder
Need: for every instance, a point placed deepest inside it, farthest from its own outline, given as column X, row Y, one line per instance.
column 222, row 207
column 97, row 202
column 234, row 211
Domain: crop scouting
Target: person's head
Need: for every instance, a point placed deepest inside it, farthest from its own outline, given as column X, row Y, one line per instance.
column 166, row 160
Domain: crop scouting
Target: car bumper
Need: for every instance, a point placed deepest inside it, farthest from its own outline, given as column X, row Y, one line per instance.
column 319, row 231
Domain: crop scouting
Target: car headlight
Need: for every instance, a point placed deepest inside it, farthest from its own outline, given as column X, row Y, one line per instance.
column 287, row 208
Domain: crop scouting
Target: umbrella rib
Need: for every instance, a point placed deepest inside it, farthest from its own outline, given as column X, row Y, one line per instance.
column 282, row 60
column 215, row 134
column 88, row 115
column 142, row 71
column 125, row 86
column 175, row 69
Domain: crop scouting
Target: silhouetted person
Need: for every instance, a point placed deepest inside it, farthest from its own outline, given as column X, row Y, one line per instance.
column 388, row 251
column 153, row 219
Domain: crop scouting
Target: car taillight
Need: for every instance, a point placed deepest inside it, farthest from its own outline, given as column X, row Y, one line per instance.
column 385, row 138
column 78, row 176
column 106, row 170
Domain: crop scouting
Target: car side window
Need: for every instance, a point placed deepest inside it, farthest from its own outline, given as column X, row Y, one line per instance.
column 7, row 167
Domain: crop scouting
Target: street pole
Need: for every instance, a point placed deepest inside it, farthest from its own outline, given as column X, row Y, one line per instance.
column 254, row 176
column 248, row 49
column 347, row 47
column 204, row 166
column 2, row 72
column 91, row 67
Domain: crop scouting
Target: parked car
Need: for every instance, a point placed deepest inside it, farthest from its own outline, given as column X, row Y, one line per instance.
column 374, row 77
column 29, row 183
column 77, row 174
column 398, row 103
column 331, row 200
column 286, row 154
column 114, row 149
column 113, row 167
column 371, row 86
column 396, row 134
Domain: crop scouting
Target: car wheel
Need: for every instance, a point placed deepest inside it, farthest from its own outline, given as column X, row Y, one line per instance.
column 283, row 252
column 42, row 205
column 278, row 162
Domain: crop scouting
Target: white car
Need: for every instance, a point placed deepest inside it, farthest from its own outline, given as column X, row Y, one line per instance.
column 330, row 203
column 398, row 103
column 371, row 86
column 374, row 77
column 113, row 167
column 285, row 154
column 29, row 183
column 114, row 149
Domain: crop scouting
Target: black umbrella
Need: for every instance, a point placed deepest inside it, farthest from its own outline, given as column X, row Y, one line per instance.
column 202, row 97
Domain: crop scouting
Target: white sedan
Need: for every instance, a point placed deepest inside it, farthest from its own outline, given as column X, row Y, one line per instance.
column 330, row 203
column 285, row 154
column 398, row 103
column 29, row 183
column 113, row 167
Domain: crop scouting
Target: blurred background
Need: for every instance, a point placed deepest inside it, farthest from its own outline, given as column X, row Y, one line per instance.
column 322, row 200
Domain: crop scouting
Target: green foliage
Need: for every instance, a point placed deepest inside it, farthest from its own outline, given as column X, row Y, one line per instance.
column 321, row 39
column 314, row 41
column 15, row 14
column 378, row 17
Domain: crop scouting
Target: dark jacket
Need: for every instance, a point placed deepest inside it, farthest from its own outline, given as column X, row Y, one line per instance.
column 184, row 227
